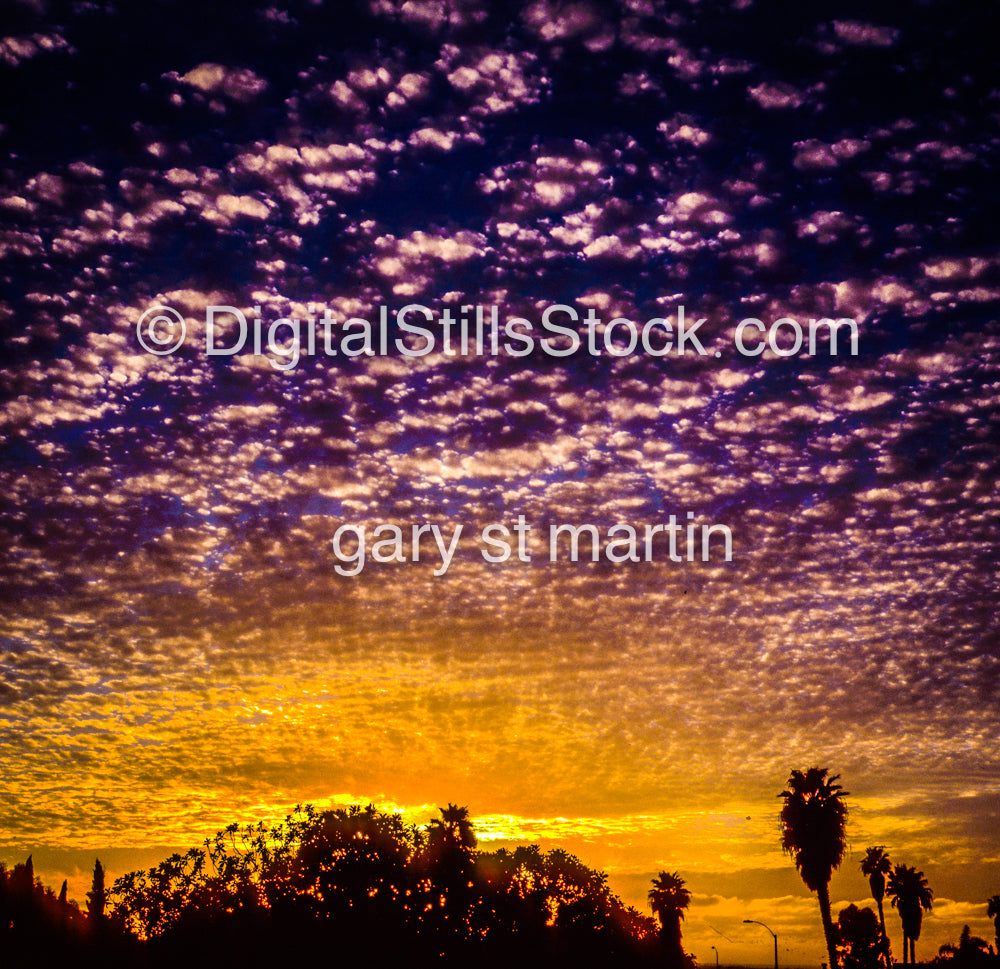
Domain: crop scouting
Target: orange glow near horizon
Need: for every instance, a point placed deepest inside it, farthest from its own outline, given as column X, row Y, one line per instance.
column 728, row 852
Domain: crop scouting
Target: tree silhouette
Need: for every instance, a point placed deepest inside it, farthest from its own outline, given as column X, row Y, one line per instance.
column 24, row 877
column 813, row 820
column 910, row 897
column 451, row 845
column 23, row 895
column 668, row 898
column 970, row 953
column 860, row 942
column 358, row 865
column 97, row 897
column 39, row 927
column 453, row 830
column 993, row 911
column 876, row 866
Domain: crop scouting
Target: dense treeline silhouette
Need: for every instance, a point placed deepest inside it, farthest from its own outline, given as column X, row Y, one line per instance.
column 351, row 883
column 363, row 883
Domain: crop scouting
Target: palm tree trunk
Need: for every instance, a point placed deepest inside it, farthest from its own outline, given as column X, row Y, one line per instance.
column 885, row 938
column 913, row 951
column 906, row 946
column 824, row 910
column 673, row 951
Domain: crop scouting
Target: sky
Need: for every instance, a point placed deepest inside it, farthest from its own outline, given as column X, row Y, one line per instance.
column 180, row 646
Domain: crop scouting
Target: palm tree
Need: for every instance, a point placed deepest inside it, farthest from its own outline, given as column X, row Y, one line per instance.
column 876, row 866
column 668, row 898
column 451, row 846
column 993, row 911
column 813, row 822
column 453, row 830
column 911, row 896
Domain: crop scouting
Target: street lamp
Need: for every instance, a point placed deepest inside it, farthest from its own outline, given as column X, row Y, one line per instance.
column 755, row 922
column 716, row 957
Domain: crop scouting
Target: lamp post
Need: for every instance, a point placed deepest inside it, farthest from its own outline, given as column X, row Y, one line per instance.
column 716, row 957
column 755, row 922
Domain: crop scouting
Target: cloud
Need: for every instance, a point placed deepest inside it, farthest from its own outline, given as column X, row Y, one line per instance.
column 239, row 84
